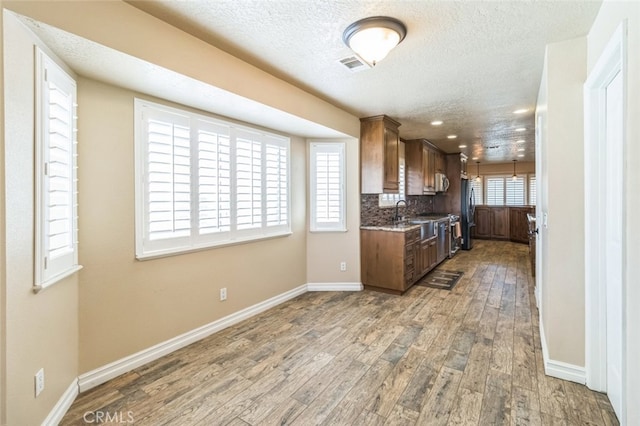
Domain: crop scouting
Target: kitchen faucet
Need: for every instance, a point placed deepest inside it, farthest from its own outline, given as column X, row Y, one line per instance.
column 396, row 218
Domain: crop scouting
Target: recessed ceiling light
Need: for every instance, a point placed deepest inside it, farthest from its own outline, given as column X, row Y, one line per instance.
column 520, row 155
column 462, row 146
column 520, row 141
column 452, row 136
column 520, row 111
column 474, row 158
column 436, row 123
column 520, row 129
column 520, row 149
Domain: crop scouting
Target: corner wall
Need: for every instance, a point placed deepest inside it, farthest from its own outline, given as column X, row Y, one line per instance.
column 129, row 305
column 560, row 158
column 41, row 329
column 325, row 250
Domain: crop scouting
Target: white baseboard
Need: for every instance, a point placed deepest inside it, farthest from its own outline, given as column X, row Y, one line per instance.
column 334, row 287
column 560, row 369
column 63, row 405
column 105, row 373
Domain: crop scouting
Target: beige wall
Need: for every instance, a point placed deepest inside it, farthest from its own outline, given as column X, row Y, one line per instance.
column 129, row 305
column 610, row 16
column 561, row 183
column 325, row 250
column 41, row 329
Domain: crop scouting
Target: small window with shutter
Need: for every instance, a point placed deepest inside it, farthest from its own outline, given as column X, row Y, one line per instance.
column 56, row 174
column 327, row 190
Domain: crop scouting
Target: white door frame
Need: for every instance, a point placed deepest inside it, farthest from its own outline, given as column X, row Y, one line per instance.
column 611, row 62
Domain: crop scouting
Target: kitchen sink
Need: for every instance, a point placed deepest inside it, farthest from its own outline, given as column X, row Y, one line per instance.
column 427, row 227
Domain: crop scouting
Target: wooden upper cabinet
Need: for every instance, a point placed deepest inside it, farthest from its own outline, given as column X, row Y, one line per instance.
column 379, row 155
column 420, row 159
column 441, row 163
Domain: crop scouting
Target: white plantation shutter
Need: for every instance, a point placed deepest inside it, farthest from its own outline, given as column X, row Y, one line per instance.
column 327, row 187
column 515, row 191
column 532, row 190
column 214, row 179
column 56, row 184
column 505, row 191
column 202, row 182
column 169, row 176
column 249, row 181
column 495, row 190
column 277, row 176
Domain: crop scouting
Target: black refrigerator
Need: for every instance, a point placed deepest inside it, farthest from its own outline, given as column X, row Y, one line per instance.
column 467, row 213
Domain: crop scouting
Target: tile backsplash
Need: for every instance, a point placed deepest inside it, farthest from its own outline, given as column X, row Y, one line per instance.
column 371, row 214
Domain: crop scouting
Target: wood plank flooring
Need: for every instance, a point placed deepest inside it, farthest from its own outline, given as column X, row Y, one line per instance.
column 470, row 356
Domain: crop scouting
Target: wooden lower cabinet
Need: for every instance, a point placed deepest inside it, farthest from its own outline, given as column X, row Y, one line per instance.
column 502, row 223
column 483, row 222
column 428, row 255
column 393, row 261
column 518, row 224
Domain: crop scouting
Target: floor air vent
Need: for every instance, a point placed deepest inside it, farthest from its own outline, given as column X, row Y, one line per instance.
column 355, row 64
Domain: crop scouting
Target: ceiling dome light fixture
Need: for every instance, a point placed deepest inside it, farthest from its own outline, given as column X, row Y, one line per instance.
column 373, row 38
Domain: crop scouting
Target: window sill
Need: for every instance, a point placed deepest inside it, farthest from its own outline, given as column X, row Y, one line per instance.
column 324, row 231
column 51, row 281
column 175, row 252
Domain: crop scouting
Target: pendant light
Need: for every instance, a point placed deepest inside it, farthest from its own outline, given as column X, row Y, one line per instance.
column 515, row 176
column 478, row 175
column 373, row 38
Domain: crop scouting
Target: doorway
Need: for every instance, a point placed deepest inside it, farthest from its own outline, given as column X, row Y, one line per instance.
column 604, row 223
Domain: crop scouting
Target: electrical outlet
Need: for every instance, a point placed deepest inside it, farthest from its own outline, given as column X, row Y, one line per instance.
column 39, row 381
column 223, row 294
column 343, row 266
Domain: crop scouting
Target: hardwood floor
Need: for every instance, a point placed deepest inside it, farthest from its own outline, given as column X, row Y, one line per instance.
column 470, row 356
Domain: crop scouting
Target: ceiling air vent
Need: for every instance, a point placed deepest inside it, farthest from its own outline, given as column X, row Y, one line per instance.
column 355, row 64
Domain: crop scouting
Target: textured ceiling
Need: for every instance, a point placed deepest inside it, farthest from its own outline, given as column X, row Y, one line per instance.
column 468, row 63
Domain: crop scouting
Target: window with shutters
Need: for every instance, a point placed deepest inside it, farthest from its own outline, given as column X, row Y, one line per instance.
column 203, row 182
column 507, row 191
column 494, row 190
column 327, row 192
column 56, row 242
column 532, row 190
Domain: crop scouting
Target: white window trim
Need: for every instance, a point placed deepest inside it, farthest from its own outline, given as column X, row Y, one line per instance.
column 196, row 241
column 50, row 271
column 314, row 149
